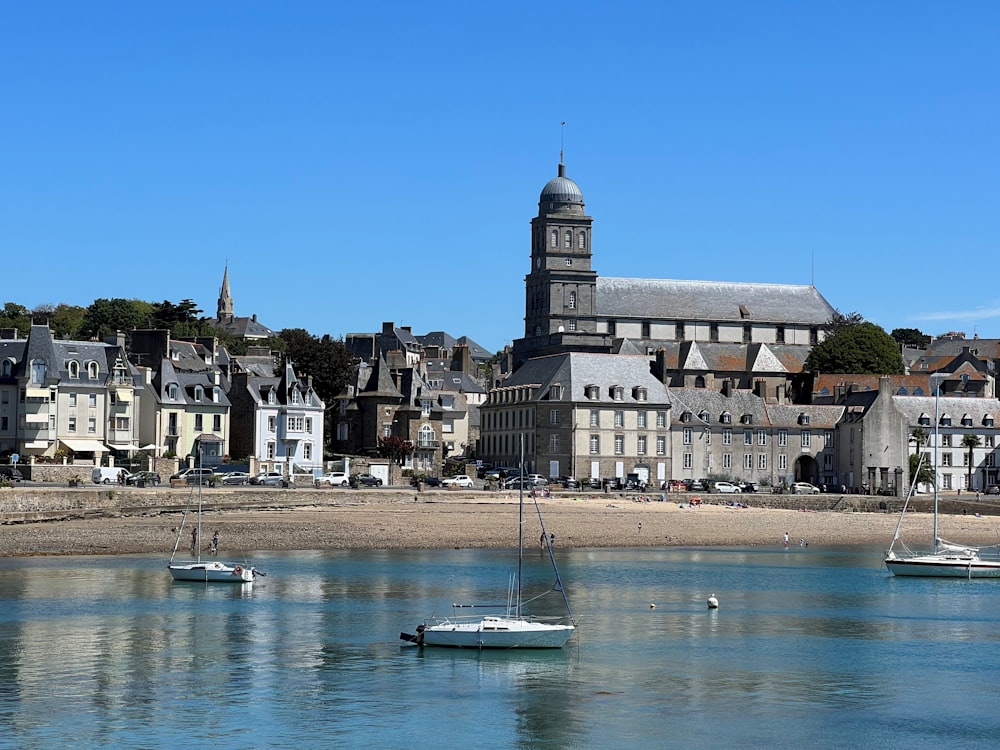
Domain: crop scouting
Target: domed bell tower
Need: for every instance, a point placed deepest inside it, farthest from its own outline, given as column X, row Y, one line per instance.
column 561, row 287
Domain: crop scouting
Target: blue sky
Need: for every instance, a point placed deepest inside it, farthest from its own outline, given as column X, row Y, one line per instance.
column 361, row 162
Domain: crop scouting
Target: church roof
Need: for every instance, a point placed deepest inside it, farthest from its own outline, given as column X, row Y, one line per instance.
column 723, row 301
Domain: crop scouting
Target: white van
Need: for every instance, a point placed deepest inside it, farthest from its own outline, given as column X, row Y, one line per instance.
column 107, row 474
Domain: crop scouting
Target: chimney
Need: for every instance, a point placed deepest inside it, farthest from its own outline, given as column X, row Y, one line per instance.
column 760, row 388
column 727, row 387
column 661, row 364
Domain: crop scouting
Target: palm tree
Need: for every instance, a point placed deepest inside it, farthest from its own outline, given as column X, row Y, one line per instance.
column 971, row 442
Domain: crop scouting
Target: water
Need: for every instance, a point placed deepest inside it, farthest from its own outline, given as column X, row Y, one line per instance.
column 810, row 647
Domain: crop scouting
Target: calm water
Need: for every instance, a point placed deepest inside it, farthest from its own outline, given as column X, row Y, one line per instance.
column 810, row 647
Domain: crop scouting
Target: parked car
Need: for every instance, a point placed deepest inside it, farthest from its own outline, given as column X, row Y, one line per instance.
column 518, row 483
column 993, row 489
column 146, row 477
column 108, row 475
column 236, row 477
column 268, row 479
column 727, row 488
column 804, row 488
column 570, row 483
column 193, row 476
column 538, row 480
column 694, row 485
column 12, row 473
column 366, row 480
column 334, row 479
column 486, row 470
column 750, row 487
column 462, row 480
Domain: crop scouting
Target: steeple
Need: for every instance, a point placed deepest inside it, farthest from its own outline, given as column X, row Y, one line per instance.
column 225, row 310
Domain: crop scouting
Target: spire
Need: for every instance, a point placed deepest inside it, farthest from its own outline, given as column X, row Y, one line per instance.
column 225, row 309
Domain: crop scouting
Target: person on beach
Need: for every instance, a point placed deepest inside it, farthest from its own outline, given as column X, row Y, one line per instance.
column 786, row 538
column 215, row 543
column 194, row 539
column 541, row 541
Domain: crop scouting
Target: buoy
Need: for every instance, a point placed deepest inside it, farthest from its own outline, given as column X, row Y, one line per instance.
column 652, row 606
column 713, row 603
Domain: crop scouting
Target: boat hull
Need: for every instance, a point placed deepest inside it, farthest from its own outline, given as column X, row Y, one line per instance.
column 211, row 572
column 944, row 566
column 494, row 632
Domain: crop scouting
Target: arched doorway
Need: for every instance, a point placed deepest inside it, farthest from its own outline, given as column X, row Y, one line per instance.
column 807, row 470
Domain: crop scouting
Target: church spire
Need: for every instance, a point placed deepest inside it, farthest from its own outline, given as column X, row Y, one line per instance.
column 225, row 309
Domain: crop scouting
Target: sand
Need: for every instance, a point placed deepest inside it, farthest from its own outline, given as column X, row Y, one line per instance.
column 430, row 522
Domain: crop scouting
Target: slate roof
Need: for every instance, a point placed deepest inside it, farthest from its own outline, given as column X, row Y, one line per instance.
column 671, row 299
column 575, row 371
column 245, row 328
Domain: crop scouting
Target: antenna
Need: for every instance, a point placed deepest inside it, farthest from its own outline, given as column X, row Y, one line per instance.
column 562, row 138
column 812, row 268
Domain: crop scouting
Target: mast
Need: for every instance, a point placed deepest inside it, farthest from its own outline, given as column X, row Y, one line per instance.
column 937, row 443
column 520, row 524
column 200, row 478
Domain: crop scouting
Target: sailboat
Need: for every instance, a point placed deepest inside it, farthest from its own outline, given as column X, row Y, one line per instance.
column 512, row 628
column 206, row 571
column 945, row 560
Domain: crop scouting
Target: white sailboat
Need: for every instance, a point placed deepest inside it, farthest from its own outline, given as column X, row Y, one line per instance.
column 945, row 560
column 510, row 629
column 206, row 571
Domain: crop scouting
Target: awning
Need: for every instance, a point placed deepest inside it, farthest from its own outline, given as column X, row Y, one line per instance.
column 85, row 446
column 36, row 444
column 38, row 417
column 209, row 438
column 36, row 393
column 123, row 446
column 123, row 395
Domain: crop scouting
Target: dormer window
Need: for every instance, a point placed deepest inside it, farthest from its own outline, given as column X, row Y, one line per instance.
column 987, row 421
column 703, row 416
column 92, row 370
column 6, row 368
column 272, row 397
column 747, row 419
column 73, row 368
column 172, row 391
column 924, row 420
column 296, row 396
column 38, row 372
column 967, row 421
column 686, row 416
column 726, row 418
column 555, row 393
column 592, row 392
column 617, row 393
column 215, row 395
column 639, row 394
column 199, row 393
column 946, row 420
column 803, row 418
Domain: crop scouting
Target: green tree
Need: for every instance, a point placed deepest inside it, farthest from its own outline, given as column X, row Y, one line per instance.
column 912, row 337
column 16, row 316
column 106, row 316
column 839, row 321
column 970, row 442
column 860, row 349
column 925, row 474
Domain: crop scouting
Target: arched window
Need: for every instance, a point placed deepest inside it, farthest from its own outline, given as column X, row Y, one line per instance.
column 92, row 370
column 699, row 381
column 296, row 396
column 572, row 301
column 38, row 371
column 215, row 395
column 271, row 397
column 581, row 241
column 426, row 437
column 172, row 391
column 568, row 241
column 554, row 241
column 199, row 393
column 73, row 368
column 5, row 369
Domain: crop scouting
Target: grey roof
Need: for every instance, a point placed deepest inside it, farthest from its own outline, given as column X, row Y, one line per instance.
column 913, row 407
column 561, row 190
column 671, row 299
column 575, row 371
column 715, row 403
column 242, row 327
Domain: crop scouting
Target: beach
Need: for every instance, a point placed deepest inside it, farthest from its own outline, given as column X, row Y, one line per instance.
column 429, row 521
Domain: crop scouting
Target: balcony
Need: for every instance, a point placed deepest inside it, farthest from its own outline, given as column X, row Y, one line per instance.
column 428, row 444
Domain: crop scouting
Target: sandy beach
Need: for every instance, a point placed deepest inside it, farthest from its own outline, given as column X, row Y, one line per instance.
column 445, row 522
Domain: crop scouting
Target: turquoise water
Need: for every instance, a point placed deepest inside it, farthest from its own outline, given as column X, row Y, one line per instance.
column 810, row 647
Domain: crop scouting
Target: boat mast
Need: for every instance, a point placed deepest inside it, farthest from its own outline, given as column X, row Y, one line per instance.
column 198, row 545
column 937, row 443
column 520, row 525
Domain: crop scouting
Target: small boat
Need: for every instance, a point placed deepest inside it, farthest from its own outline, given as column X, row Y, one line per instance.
column 510, row 629
column 206, row 571
column 945, row 560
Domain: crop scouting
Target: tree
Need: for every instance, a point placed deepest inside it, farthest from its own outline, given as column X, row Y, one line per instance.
column 16, row 316
column 911, row 337
column 971, row 442
column 925, row 475
column 107, row 316
column 66, row 321
column 395, row 448
column 838, row 322
column 858, row 349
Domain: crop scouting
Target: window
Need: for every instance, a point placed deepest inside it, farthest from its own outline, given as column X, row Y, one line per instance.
column 761, row 437
column 688, row 460
column 309, row 424
column 679, row 331
column 592, row 392
column 713, row 332
column 946, row 420
column 618, row 393
column 782, row 438
column 747, row 333
column 946, row 459
column 568, row 261
column 296, row 396
column 72, row 398
column 595, row 444
column 779, row 335
column 619, row 418
column 295, row 424
column 555, row 393
column 828, row 438
column 553, row 416
column 121, row 424
column 74, row 369
column 307, row 451
column 72, row 424
column 988, row 441
column 199, row 393
column 553, row 443
column 571, row 302
column 747, row 437
column 687, row 436
column 727, row 436
column 272, row 397
column 640, row 394
column 727, row 460
column 707, row 434
column 571, row 324
column 619, row 445
column 685, row 417
column 92, row 425
column 813, row 336
column 216, row 423
column 661, row 419
column 726, row 418
column 761, row 461
column 198, row 422
column 641, row 420
column 946, row 441
column 92, row 400
column 568, row 240
column 581, row 241
column 641, row 445
column 661, row 445
column 172, row 391
column 595, row 418
column 4, row 424
column 272, row 424
column 554, row 239
column 806, row 438
column 38, row 372
column 747, row 460
column 645, row 329
column 782, row 462
column 92, row 370
column 270, row 451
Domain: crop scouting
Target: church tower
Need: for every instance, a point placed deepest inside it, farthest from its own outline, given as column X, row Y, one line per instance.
column 561, row 286
column 225, row 309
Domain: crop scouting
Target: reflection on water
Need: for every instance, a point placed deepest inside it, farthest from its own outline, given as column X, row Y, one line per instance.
column 806, row 644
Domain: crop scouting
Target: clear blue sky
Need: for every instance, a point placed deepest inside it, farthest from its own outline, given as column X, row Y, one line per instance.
column 361, row 162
